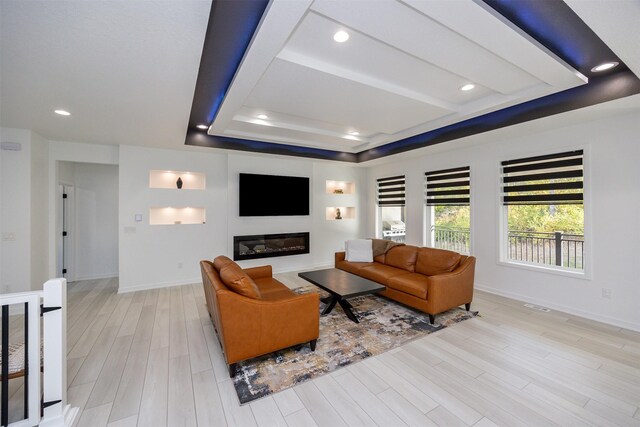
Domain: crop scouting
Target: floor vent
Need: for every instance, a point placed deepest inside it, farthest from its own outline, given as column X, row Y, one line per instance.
column 537, row 307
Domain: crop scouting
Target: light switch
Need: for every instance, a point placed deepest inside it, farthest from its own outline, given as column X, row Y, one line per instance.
column 138, row 217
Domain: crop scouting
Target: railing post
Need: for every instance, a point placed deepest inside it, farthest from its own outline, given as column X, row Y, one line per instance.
column 558, row 236
column 56, row 412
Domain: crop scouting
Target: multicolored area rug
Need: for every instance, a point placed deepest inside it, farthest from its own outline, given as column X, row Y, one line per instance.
column 384, row 325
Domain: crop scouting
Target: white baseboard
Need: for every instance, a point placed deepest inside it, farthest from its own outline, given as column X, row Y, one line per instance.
column 96, row 277
column 290, row 270
column 148, row 286
column 563, row 308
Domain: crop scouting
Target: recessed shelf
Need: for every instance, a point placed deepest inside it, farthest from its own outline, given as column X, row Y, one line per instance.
column 340, row 187
column 346, row 212
column 168, row 179
column 175, row 216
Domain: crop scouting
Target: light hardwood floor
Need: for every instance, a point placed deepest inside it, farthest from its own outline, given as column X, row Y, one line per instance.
column 151, row 358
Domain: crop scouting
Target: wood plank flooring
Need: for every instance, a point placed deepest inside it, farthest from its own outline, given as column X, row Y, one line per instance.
column 151, row 358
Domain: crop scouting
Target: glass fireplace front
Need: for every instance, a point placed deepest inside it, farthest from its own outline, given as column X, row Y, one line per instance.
column 269, row 245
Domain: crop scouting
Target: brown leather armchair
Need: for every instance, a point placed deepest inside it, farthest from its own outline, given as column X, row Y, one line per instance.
column 248, row 327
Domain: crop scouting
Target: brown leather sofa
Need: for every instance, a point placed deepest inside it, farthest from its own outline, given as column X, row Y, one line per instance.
column 254, row 314
column 428, row 279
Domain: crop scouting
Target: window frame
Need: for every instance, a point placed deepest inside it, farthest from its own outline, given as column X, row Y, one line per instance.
column 503, row 222
column 378, row 218
column 428, row 212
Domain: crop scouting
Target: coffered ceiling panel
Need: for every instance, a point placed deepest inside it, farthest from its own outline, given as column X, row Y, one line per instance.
column 391, row 69
column 399, row 74
column 336, row 100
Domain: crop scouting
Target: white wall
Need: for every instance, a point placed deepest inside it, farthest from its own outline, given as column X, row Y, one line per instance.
column 326, row 237
column 166, row 255
column 612, row 203
column 39, row 213
column 94, row 236
column 23, row 213
column 16, row 211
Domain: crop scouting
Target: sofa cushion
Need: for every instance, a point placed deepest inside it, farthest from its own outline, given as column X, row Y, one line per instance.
column 433, row 261
column 411, row 283
column 379, row 273
column 352, row 267
column 220, row 261
column 403, row 257
column 272, row 290
column 238, row 281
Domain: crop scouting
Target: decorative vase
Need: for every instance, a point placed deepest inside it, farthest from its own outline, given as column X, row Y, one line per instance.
column 179, row 183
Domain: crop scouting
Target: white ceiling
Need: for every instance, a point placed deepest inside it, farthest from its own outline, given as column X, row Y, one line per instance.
column 398, row 75
column 127, row 69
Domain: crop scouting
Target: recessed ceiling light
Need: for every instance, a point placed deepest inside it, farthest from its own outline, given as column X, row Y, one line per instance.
column 467, row 87
column 62, row 112
column 262, row 116
column 604, row 67
column 351, row 137
column 354, row 133
column 202, row 127
column 341, row 36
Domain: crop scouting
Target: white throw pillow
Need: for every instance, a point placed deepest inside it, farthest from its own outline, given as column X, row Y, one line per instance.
column 360, row 250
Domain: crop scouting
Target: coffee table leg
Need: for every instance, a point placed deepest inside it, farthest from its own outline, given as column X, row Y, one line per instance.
column 347, row 310
column 326, row 299
column 332, row 303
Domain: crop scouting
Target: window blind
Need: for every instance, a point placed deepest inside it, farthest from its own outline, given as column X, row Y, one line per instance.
column 553, row 179
column 449, row 187
column 391, row 191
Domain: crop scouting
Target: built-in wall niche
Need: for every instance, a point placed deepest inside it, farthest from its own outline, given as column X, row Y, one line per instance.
column 348, row 212
column 340, row 187
column 175, row 216
column 169, row 179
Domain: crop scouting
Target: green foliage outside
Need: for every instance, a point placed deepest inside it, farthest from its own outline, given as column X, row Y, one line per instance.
column 539, row 218
column 542, row 218
column 453, row 216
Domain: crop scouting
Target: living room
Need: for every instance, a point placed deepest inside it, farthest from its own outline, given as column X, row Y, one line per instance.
column 590, row 325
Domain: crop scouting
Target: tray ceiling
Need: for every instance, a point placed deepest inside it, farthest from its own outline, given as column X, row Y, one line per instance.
column 398, row 75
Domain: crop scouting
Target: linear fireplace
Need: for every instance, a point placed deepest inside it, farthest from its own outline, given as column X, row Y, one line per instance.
column 270, row 245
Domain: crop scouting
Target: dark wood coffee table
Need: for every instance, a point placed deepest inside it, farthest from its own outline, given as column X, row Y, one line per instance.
column 341, row 285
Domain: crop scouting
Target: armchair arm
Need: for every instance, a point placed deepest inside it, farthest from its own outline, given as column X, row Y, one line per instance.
column 261, row 272
column 445, row 291
column 251, row 327
column 339, row 256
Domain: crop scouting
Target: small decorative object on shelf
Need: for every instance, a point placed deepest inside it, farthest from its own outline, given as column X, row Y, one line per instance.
column 338, row 214
column 338, row 191
column 179, row 183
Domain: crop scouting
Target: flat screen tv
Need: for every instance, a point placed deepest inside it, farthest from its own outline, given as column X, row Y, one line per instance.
column 273, row 195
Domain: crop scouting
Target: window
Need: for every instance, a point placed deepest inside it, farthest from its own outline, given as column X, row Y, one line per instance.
column 447, row 195
column 543, row 203
column 391, row 205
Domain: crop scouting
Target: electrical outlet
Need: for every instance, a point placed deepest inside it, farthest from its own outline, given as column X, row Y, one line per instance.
column 180, row 264
column 8, row 237
column 606, row 293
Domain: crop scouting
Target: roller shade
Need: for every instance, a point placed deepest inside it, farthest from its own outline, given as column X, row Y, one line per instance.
column 449, row 187
column 391, row 191
column 554, row 179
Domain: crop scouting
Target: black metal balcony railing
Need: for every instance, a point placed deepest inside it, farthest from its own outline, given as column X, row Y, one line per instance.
column 452, row 239
column 564, row 250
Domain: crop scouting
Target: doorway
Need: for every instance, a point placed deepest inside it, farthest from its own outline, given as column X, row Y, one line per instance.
column 87, row 219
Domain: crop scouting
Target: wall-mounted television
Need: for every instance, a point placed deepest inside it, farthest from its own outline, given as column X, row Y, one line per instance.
column 273, row 195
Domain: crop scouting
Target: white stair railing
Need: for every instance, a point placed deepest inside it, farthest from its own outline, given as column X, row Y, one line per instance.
column 45, row 394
